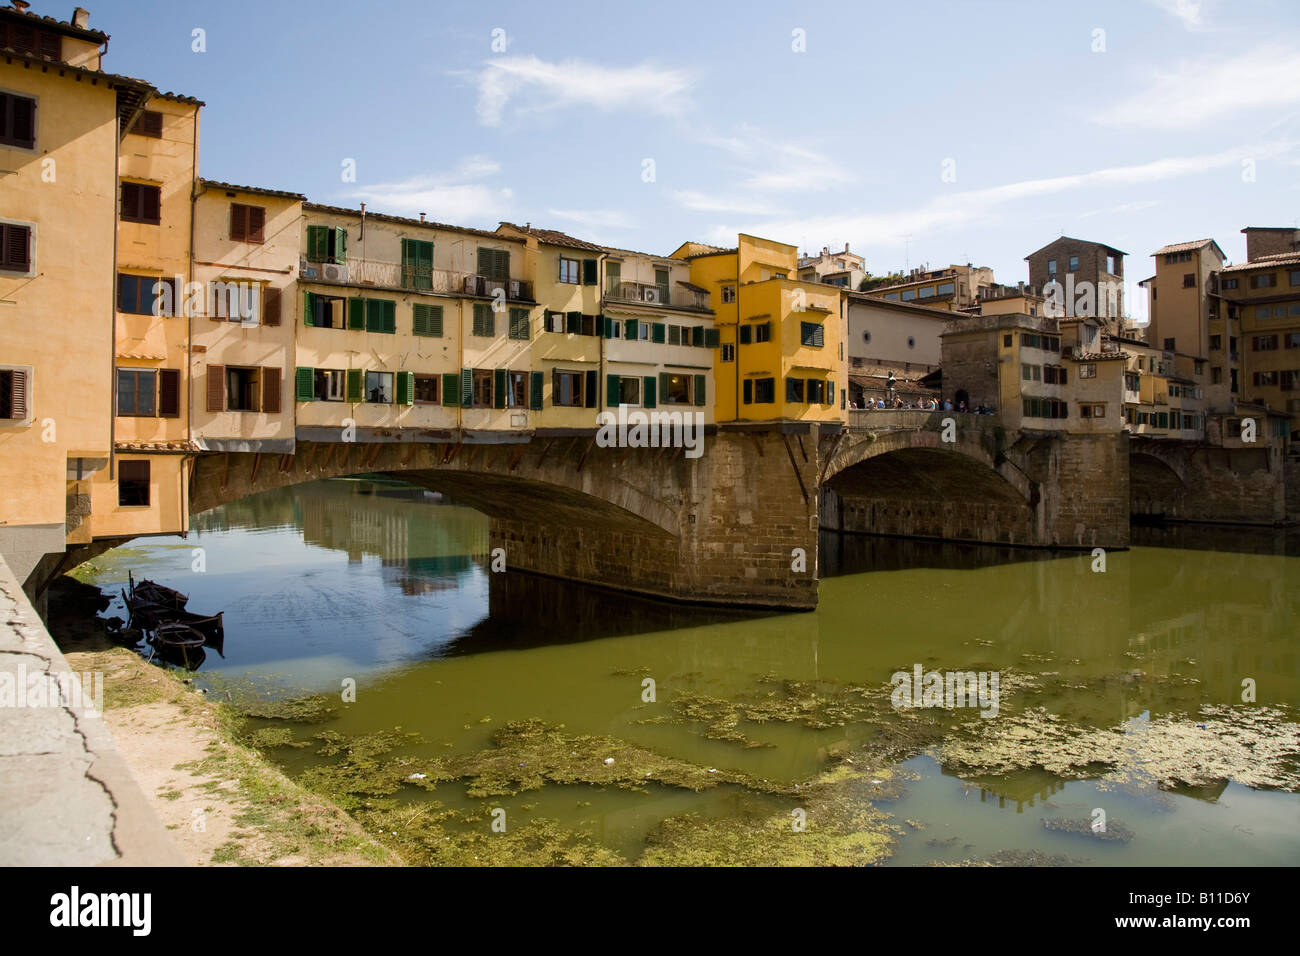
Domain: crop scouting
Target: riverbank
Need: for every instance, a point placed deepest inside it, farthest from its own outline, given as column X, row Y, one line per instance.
column 222, row 802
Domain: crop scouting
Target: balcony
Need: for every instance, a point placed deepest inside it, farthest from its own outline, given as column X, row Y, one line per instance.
column 395, row 275
column 647, row 293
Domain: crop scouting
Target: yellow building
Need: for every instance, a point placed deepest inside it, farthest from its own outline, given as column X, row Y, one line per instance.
column 246, row 248
column 144, row 490
column 58, row 201
column 781, row 340
column 409, row 330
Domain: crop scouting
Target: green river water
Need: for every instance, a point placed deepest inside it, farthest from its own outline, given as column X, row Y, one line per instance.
column 1120, row 692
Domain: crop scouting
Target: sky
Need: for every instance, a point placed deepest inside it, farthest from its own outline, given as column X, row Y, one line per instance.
column 920, row 133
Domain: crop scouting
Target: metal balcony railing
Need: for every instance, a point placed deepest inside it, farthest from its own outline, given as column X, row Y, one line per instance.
column 397, row 275
column 619, row 290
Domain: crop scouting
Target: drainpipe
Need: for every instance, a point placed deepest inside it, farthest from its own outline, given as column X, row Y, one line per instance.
column 736, row 346
column 112, row 345
column 189, row 324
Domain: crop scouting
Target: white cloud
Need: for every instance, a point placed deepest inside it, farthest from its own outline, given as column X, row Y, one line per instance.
column 595, row 222
column 1192, row 13
column 453, row 196
column 773, row 165
column 714, row 202
column 949, row 210
column 534, row 85
column 1197, row 93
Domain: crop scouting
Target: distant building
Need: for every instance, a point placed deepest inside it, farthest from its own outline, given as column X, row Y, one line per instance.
column 844, row 269
column 1184, row 317
column 1072, row 262
column 892, row 337
column 955, row 288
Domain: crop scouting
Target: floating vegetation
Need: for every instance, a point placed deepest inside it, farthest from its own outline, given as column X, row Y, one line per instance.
column 1115, row 831
column 312, row 709
column 266, row 738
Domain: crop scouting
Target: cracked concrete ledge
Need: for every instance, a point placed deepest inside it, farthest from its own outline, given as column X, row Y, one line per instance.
column 67, row 798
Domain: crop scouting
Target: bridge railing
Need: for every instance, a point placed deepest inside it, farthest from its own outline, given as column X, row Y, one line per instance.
column 915, row 418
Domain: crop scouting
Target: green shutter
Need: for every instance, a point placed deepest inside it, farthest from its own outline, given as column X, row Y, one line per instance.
column 711, row 340
column 520, row 324
column 356, row 313
column 499, row 388
column 535, row 393
column 390, row 316
column 308, row 309
column 589, row 393
column 746, row 334
column 648, row 392
column 629, row 329
column 305, row 380
column 607, row 326
column 467, row 388
column 340, row 244
column 663, row 385
column 830, row 391
column 426, row 320
column 574, row 322
column 701, row 389
column 589, row 272
column 354, row 384
column 450, row 389
column 405, row 388
column 612, row 392
column 657, row 332
column 317, row 245
column 435, row 321
column 697, row 336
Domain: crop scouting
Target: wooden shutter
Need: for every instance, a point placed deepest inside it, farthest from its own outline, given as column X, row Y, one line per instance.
column 467, row 388
column 701, row 389
column 648, row 396
column 305, row 384
column 22, row 122
column 657, row 332
column 450, row 389
column 317, row 243
column 238, row 222
column 308, row 309
column 216, row 388
column 150, row 200
column 18, row 393
column 574, row 322
column 697, row 336
column 50, row 45
column 169, row 393
column 535, row 393
column 711, row 338
column 356, row 314
column 746, row 334
column 256, row 224
column 355, row 384
column 589, row 392
column 612, row 391
column 589, row 272
column 629, row 329
column 499, row 388
column 663, row 384
column 15, row 247
column 606, row 326
column 405, row 388
column 749, row 391
column 388, row 315
column 270, row 305
column 271, row 388
column 340, row 244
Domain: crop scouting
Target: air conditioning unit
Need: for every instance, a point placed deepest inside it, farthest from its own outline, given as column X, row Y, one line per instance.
column 516, row 289
column 650, row 294
column 334, row 272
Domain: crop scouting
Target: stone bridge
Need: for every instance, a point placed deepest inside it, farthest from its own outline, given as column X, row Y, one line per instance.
column 1196, row 481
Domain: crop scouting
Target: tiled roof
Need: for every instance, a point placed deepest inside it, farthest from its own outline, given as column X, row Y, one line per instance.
column 63, row 26
column 117, row 78
column 180, row 446
column 258, row 190
column 615, row 251
column 1085, row 242
column 919, row 310
column 1265, row 262
column 403, row 220
column 554, row 237
column 180, row 98
column 1183, row 246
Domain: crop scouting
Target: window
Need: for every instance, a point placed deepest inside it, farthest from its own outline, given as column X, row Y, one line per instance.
column 891, row 296
column 323, row 311
column 1295, row 276
column 1051, row 267
column 17, row 121
column 1110, row 265
column 676, row 388
column 1216, row 376
column 1087, row 371
column 1264, row 343
column 1230, row 283
column 1263, row 312
column 1044, row 408
column 247, row 223
column 927, row 292
column 1054, row 375
column 909, row 295
column 14, row 394
column 553, row 321
column 136, row 392
column 379, row 388
column 328, row 384
column 15, row 247
column 426, row 389
column 141, row 203
column 1189, row 280
column 627, row 390
column 1216, row 343
column 764, row 391
column 1267, row 379
column 812, row 334
column 482, row 388
column 372, row 315
column 516, row 389
column 149, row 124
column 1293, row 340
column 138, row 295
column 1074, row 263
column 763, row 332
column 426, row 320
column 570, row 389
column 1266, row 281
column 794, row 390
column 327, row 244
column 519, row 323
column 1031, row 373
column 484, row 320
column 911, row 341
column 728, row 294
column 1169, row 345
column 417, row 264
column 946, row 288
column 494, row 264
column 1092, row 411
column 569, row 270
column 133, row 484
column 242, row 386
column 1132, row 380
column 1290, row 378
column 728, row 352
column 816, row 392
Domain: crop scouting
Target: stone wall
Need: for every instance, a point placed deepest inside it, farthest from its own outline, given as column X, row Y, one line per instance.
column 1183, row 482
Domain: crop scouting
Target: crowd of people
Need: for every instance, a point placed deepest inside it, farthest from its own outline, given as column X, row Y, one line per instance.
column 921, row 404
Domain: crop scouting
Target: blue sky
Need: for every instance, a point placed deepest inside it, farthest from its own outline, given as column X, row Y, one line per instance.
column 1136, row 137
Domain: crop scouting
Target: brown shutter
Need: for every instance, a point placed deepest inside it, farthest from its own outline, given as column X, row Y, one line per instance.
column 169, row 393
column 238, row 222
column 18, row 393
column 130, row 201
column 256, row 223
column 216, row 388
column 152, row 196
column 16, row 251
column 270, row 305
column 271, row 386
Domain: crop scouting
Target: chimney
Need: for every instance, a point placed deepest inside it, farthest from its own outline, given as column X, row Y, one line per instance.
column 81, row 18
column 846, row 247
column 421, row 217
column 21, row 5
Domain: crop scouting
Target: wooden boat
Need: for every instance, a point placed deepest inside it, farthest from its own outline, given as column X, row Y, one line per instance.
column 178, row 635
column 153, row 593
column 152, row 606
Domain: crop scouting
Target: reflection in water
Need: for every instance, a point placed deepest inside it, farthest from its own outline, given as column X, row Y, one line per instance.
column 385, row 584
